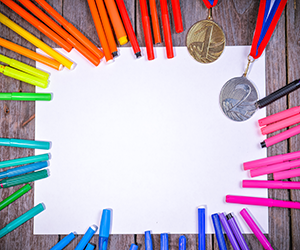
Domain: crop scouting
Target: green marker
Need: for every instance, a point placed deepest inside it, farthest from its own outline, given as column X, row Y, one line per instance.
column 19, row 143
column 19, row 96
column 25, row 178
column 24, row 67
column 24, row 160
column 14, row 196
column 22, row 219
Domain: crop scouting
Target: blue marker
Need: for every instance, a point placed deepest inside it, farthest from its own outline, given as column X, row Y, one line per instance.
column 133, row 247
column 86, row 237
column 89, row 247
column 64, row 242
column 164, row 242
column 148, row 241
column 104, row 229
column 201, row 228
column 182, row 242
column 219, row 232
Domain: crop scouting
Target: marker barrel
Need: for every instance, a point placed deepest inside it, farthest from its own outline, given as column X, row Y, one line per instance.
column 237, row 232
column 164, row 241
column 218, row 231
column 89, row 246
column 286, row 174
column 229, row 232
column 64, row 242
column 24, row 143
column 133, row 247
column 182, row 243
column 155, row 22
column 24, row 160
column 281, row 124
column 86, row 237
column 271, row 184
column 166, row 28
column 177, row 16
column 19, row 96
column 148, row 241
column 201, row 228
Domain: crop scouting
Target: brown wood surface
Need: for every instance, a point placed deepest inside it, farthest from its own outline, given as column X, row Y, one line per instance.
column 237, row 18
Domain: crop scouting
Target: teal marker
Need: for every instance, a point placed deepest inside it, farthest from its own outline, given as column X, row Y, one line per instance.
column 24, row 160
column 24, row 143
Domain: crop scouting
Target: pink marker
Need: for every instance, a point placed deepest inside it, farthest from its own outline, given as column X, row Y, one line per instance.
column 286, row 174
column 281, row 124
column 271, row 184
column 271, row 160
column 255, row 229
column 267, row 202
column 274, row 168
column 280, row 137
column 279, row 116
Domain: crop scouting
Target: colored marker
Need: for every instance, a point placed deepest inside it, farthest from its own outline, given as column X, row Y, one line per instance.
column 24, row 160
column 31, row 54
column 155, row 22
column 255, row 229
column 20, row 96
column 201, row 228
column 166, row 27
column 116, row 21
column 286, row 174
column 89, row 246
column 22, row 219
column 24, row 77
column 261, row 201
column 24, row 143
column 228, row 231
column 37, row 42
column 133, row 247
column 86, row 237
column 219, row 233
column 37, row 24
column 129, row 29
column 271, row 160
column 237, row 232
column 182, row 242
column 104, row 229
column 71, row 29
column 10, row 199
column 279, row 116
column 24, row 67
column 177, row 16
column 21, row 179
column 164, row 241
column 271, row 184
column 148, row 241
column 64, row 242
column 147, row 29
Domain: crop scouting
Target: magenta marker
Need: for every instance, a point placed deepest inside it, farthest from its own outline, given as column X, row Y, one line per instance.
column 280, row 137
column 255, row 229
column 271, row 184
column 267, row 202
column 274, row 168
column 271, row 160
column 286, row 174
column 281, row 124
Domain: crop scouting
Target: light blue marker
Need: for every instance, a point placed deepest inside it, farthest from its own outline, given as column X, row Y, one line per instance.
column 182, row 242
column 64, row 242
column 24, row 143
column 104, row 229
column 89, row 247
column 86, row 237
column 164, row 242
column 133, row 247
column 148, row 241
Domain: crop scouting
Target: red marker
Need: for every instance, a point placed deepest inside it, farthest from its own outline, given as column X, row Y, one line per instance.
column 167, row 29
column 177, row 16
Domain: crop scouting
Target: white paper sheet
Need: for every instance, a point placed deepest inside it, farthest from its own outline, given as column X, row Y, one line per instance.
column 148, row 140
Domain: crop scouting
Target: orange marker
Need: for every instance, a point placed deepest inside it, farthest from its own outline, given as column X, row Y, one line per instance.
column 37, row 24
column 107, row 28
column 100, row 30
column 59, row 30
column 116, row 21
column 70, row 28
column 30, row 54
column 155, row 22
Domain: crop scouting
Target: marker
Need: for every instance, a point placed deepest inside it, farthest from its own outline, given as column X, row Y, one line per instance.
column 201, row 228
column 104, row 229
column 24, row 77
column 31, row 54
column 177, row 16
column 271, row 184
column 64, row 242
column 38, row 25
column 148, row 241
column 20, row 96
column 24, row 143
column 155, row 22
column 133, row 247
column 262, row 201
column 237, row 232
column 24, row 160
column 37, row 42
column 71, row 29
column 286, row 174
column 21, row 179
column 164, row 241
column 182, row 242
column 116, row 21
column 279, row 116
column 24, row 67
column 86, row 237
column 129, row 29
column 147, row 29
column 10, row 199
column 228, row 231
column 219, row 233
column 22, row 219
column 255, row 229
column 89, row 246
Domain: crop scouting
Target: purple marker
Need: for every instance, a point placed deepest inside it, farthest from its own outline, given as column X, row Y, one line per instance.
column 228, row 231
column 237, row 232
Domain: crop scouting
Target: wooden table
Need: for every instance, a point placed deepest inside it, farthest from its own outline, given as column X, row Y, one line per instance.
column 238, row 19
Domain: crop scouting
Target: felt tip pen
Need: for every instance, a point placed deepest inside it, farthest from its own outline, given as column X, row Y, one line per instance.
column 177, row 16
column 133, row 247
column 201, row 228
column 164, row 241
column 148, row 241
column 279, row 116
column 271, row 184
column 86, row 237
column 218, row 231
column 24, row 143
column 24, row 160
column 104, row 229
column 286, row 174
column 64, row 242
column 182, row 243
column 262, row 201
column 18, row 96
column 255, row 229
column 228, row 231
column 155, row 22
column 89, row 246
column 166, row 28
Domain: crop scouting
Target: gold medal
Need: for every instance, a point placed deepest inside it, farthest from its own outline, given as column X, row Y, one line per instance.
column 205, row 40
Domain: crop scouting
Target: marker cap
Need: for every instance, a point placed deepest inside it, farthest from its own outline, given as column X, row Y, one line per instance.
column 105, row 223
column 182, row 242
column 148, row 241
column 134, row 247
column 164, row 241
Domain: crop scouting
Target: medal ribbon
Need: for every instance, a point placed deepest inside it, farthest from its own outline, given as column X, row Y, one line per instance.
column 266, row 22
column 210, row 3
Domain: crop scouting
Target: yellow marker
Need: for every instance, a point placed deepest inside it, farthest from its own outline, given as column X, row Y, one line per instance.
column 35, row 41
